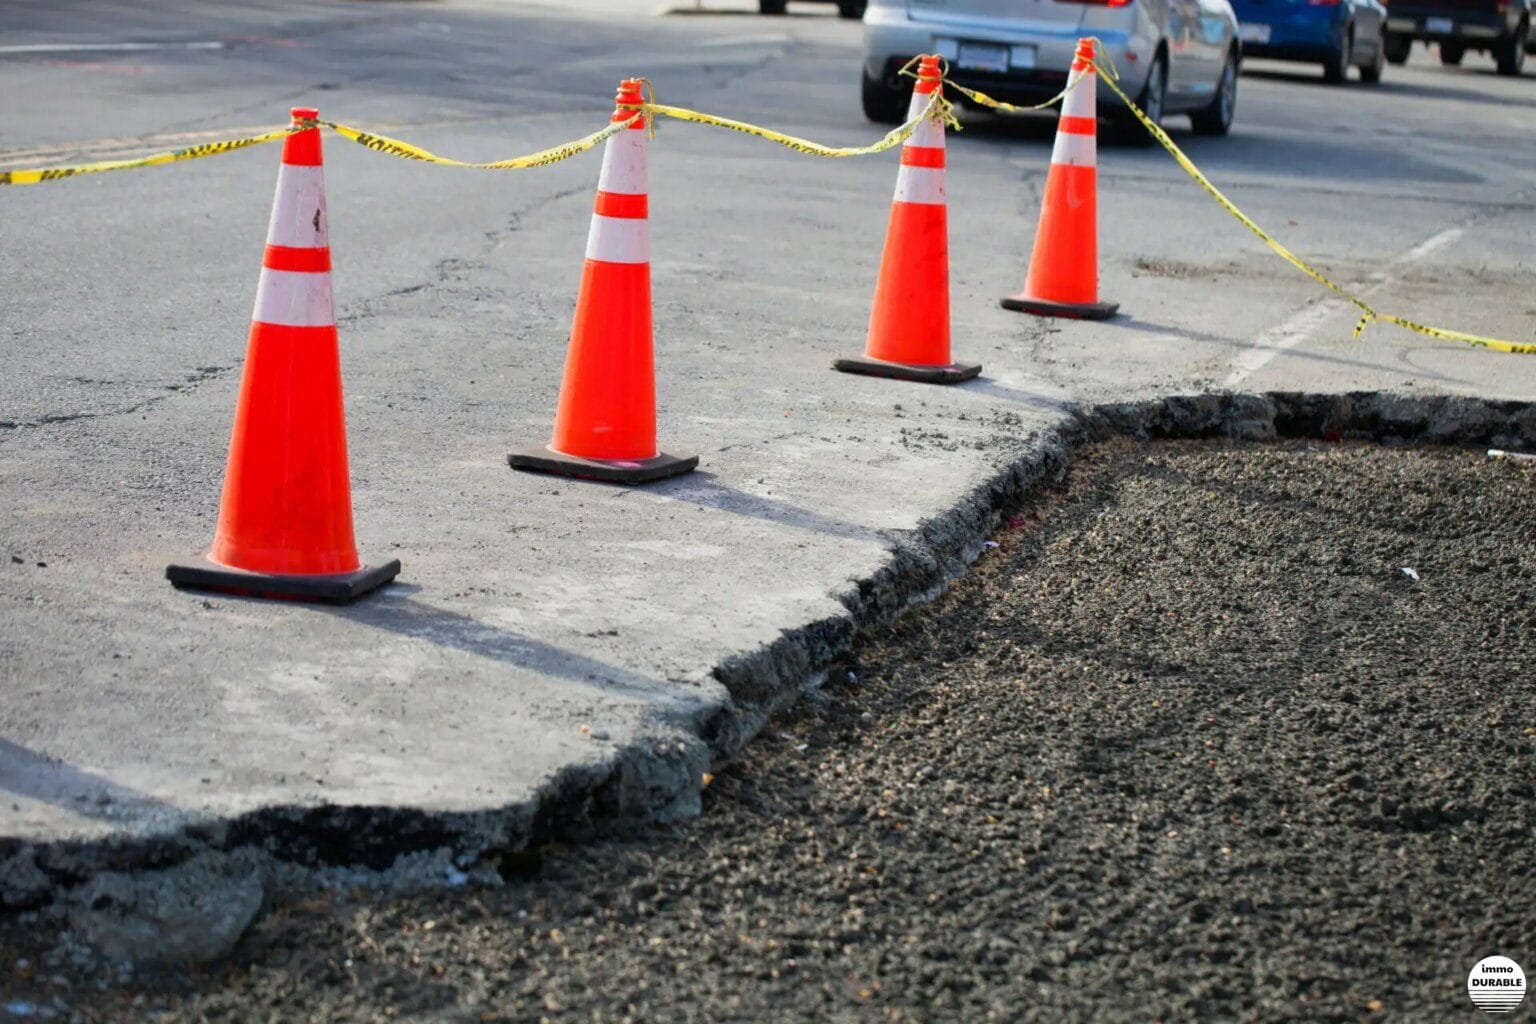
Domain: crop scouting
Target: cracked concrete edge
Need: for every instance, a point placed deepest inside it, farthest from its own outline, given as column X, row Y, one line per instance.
column 661, row 778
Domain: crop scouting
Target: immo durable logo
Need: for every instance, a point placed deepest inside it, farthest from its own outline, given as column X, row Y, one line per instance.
column 1496, row 984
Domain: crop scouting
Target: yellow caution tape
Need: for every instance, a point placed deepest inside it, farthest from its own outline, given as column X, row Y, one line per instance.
column 977, row 96
column 32, row 177
column 1369, row 312
column 1009, row 108
column 543, row 158
column 937, row 107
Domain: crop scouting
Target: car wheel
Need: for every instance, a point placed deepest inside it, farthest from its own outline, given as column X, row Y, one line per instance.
column 1371, row 73
column 882, row 104
column 1216, row 119
column 1510, row 53
column 850, row 8
column 1398, row 47
column 1336, row 70
column 771, row 6
column 1128, row 130
column 1451, row 53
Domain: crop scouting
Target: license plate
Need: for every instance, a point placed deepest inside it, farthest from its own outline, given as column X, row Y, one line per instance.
column 982, row 57
column 1445, row 25
column 1253, row 32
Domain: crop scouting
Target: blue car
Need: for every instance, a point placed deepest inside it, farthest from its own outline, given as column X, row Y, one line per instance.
column 1337, row 34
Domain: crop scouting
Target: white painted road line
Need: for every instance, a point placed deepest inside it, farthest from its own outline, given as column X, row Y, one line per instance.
column 106, row 47
column 1300, row 327
column 1430, row 244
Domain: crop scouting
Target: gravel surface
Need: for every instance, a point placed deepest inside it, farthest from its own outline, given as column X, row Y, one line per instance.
column 1190, row 743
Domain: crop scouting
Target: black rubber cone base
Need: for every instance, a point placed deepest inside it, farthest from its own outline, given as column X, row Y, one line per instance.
column 1069, row 310
column 953, row 373
column 334, row 588
column 611, row 471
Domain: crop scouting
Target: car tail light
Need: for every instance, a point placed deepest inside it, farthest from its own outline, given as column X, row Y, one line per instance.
column 1107, row 3
column 1322, row 3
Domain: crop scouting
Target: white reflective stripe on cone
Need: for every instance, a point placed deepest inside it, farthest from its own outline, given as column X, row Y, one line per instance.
column 920, row 185
column 1081, row 101
column 624, row 164
column 619, row 239
column 929, row 132
column 294, row 298
column 300, row 197
column 1075, row 150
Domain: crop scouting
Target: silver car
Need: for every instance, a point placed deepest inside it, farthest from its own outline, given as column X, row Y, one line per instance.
column 1173, row 56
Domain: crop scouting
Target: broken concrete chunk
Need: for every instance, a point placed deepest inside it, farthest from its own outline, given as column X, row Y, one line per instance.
column 194, row 912
column 22, row 883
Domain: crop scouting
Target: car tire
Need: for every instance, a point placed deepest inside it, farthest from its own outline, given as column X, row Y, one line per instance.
column 1398, row 48
column 1510, row 53
column 850, row 9
column 1128, row 131
column 1371, row 73
column 1451, row 53
column 882, row 104
column 772, row 6
column 1216, row 119
column 1336, row 69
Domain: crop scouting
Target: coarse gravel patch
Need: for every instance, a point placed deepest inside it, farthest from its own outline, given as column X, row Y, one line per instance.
column 1190, row 743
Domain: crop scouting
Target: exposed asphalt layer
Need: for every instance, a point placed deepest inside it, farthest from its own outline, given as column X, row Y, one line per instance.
column 1189, row 744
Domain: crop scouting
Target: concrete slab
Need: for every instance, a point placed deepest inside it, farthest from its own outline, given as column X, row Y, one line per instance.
column 559, row 653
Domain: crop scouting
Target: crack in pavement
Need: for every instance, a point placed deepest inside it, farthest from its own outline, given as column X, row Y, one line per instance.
column 191, row 382
column 444, row 269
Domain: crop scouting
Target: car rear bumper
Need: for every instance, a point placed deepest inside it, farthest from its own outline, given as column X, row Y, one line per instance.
column 1022, row 88
column 1308, row 51
column 1292, row 33
column 1465, row 26
column 891, row 41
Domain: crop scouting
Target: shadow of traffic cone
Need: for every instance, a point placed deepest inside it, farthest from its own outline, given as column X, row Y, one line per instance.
column 1064, row 270
column 605, row 426
column 909, row 322
column 285, row 521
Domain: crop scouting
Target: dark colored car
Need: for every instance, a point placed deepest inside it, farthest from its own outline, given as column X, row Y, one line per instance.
column 1500, row 27
column 1338, row 34
column 845, row 8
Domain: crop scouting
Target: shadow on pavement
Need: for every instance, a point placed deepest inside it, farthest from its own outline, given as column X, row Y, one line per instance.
column 997, row 389
column 1399, row 88
column 397, row 611
column 27, row 773
column 705, row 490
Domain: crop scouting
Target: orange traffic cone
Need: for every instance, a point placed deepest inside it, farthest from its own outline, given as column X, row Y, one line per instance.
column 909, row 324
column 285, row 522
column 605, row 426
column 1064, row 270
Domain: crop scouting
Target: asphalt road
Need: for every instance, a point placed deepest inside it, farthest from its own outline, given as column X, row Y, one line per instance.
column 1419, row 189
column 550, row 639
